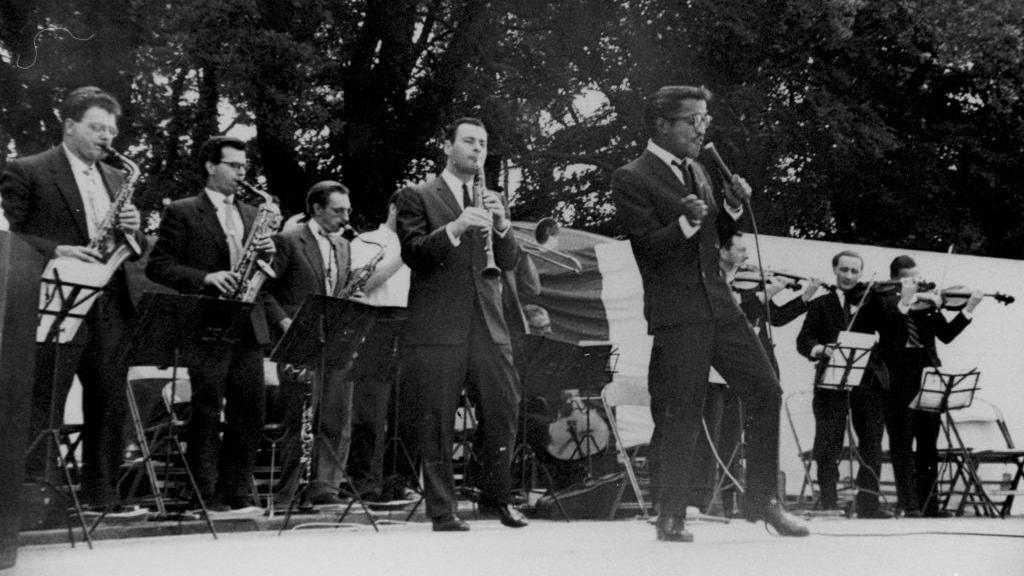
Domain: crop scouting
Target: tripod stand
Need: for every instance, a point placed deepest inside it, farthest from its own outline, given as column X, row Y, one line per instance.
column 528, row 462
column 63, row 307
column 722, row 477
column 324, row 327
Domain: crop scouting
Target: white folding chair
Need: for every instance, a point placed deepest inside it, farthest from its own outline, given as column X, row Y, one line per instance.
column 631, row 431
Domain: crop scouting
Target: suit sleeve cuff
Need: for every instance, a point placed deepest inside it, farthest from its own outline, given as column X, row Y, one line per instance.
column 688, row 228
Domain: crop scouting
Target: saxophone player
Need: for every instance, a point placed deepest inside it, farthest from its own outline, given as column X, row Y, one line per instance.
column 57, row 201
column 201, row 240
column 313, row 258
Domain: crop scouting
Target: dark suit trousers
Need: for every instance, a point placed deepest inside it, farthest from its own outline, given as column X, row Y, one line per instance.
column 228, row 376
column 915, row 471
column 93, row 356
column 866, row 405
column 436, row 375
column 678, row 384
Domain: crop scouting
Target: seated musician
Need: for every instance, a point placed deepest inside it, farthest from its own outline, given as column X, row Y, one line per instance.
column 907, row 350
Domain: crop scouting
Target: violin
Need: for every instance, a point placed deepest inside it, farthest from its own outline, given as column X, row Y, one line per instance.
column 749, row 278
column 954, row 298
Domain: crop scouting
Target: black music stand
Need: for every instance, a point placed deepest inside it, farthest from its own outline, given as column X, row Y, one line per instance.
column 167, row 328
column 942, row 393
column 323, row 327
column 844, row 370
column 69, row 297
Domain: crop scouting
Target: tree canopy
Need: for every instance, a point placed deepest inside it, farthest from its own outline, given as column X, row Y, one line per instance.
column 870, row 121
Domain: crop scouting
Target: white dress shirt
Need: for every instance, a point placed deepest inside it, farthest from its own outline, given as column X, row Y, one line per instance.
column 95, row 196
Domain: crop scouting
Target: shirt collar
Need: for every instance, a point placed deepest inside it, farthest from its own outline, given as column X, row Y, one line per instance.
column 664, row 155
column 218, row 198
column 77, row 164
column 316, row 229
column 454, row 183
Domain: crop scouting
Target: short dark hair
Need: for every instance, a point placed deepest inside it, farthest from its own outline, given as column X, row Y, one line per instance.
column 665, row 101
column 726, row 239
column 848, row 253
column 82, row 99
column 319, row 193
column 901, row 262
column 451, row 129
column 211, row 150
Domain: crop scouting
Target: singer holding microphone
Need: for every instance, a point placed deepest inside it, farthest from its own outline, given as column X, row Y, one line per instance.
column 456, row 237
column 671, row 208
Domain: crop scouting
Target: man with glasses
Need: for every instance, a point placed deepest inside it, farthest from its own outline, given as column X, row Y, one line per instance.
column 671, row 209
column 56, row 201
column 313, row 258
column 200, row 241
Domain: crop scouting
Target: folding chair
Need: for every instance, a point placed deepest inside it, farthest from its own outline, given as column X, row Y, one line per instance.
column 997, row 463
column 624, row 400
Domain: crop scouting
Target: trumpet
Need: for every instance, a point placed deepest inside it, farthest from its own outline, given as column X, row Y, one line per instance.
column 491, row 269
column 545, row 233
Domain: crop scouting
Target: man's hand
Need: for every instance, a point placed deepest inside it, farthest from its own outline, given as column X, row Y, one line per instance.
column 493, row 204
column 83, row 253
column 129, row 218
column 284, row 323
column 827, row 351
column 812, row 287
column 265, row 247
column 694, row 209
column 976, row 297
column 471, row 217
column 774, row 286
column 225, row 281
column 737, row 192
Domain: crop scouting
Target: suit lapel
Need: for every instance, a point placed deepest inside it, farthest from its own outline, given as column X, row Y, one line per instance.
column 64, row 178
column 341, row 261
column 659, row 170
column 208, row 219
column 311, row 251
column 447, row 195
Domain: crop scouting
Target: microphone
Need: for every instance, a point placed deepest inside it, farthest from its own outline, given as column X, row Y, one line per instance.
column 719, row 163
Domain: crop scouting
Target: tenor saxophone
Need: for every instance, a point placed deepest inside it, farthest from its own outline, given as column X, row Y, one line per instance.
column 251, row 270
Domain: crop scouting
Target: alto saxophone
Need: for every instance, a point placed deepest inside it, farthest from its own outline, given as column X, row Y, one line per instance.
column 360, row 276
column 115, row 244
column 251, row 270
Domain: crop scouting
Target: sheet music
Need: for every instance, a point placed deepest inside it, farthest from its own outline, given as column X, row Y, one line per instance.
column 846, row 366
column 80, row 283
column 962, row 383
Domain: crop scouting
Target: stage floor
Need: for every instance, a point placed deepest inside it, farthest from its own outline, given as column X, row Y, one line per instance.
column 837, row 547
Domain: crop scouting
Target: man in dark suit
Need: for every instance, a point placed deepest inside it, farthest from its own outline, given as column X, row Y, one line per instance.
column 667, row 206
column 313, row 258
column 826, row 317
column 56, row 201
column 456, row 333
column 907, row 350
column 201, row 239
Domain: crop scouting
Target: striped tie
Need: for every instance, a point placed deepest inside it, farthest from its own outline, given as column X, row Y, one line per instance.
column 913, row 339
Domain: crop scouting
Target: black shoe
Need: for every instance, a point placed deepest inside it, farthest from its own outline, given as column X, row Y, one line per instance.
column 507, row 513
column 935, row 513
column 449, row 523
column 326, row 499
column 778, row 518
column 913, row 513
column 672, row 529
column 876, row 514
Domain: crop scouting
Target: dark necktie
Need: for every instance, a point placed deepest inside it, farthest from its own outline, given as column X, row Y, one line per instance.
column 467, row 196
column 330, row 273
column 847, row 309
column 913, row 338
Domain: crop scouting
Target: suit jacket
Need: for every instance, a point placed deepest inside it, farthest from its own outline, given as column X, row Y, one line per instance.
column 447, row 285
column 43, row 205
column 681, row 277
column 300, row 271
column 826, row 318
column 931, row 324
column 191, row 244
column 753, row 309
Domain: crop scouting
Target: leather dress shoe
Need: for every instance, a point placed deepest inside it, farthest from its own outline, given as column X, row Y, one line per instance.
column 326, row 499
column 507, row 513
column 913, row 513
column 449, row 523
column 673, row 529
column 778, row 518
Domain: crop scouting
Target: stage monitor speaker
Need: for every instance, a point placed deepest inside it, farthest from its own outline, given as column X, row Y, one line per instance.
column 20, row 266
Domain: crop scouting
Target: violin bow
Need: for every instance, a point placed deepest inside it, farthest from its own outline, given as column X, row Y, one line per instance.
column 945, row 268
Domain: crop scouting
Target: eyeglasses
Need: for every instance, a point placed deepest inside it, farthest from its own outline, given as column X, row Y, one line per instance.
column 697, row 119
column 340, row 211
column 235, row 165
column 98, row 127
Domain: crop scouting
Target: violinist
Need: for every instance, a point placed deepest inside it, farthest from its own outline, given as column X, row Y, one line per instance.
column 750, row 289
column 827, row 316
column 907, row 349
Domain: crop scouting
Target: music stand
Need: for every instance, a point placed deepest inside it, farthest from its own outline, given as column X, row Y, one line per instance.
column 62, row 307
column 844, row 370
column 323, row 327
column 167, row 328
column 941, row 393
